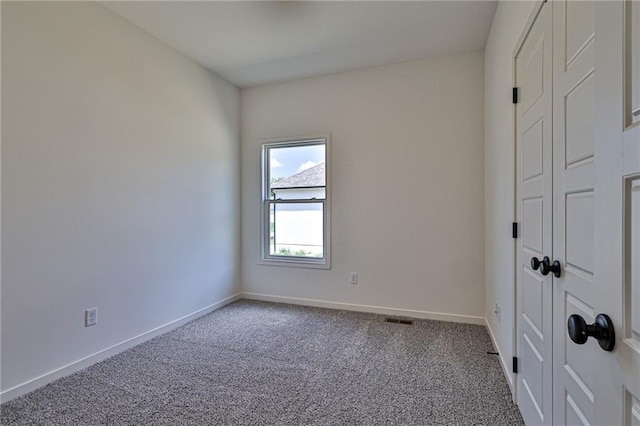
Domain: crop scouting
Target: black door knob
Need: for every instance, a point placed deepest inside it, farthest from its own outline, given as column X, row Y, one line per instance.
column 556, row 269
column 535, row 263
column 546, row 266
column 601, row 330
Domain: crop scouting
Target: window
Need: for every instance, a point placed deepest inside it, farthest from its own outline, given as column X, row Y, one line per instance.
column 295, row 202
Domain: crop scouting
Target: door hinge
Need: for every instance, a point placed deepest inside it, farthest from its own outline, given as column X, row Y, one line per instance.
column 514, row 95
column 515, row 365
column 514, row 229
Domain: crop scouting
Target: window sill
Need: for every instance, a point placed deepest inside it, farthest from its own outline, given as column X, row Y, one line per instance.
column 294, row 263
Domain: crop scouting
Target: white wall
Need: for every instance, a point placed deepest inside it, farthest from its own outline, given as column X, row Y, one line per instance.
column 407, row 176
column 120, row 170
column 508, row 23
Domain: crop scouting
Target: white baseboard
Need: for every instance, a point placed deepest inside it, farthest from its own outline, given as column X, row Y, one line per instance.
column 85, row 362
column 503, row 362
column 467, row 319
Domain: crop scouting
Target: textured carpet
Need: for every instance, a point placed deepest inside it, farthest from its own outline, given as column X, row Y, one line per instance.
column 263, row 364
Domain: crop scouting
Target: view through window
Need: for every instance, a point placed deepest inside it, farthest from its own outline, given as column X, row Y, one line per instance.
column 295, row 195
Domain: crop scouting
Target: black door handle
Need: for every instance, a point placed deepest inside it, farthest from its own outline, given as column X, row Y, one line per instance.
column 601, row 330
column 535, row 263
column 546, row 266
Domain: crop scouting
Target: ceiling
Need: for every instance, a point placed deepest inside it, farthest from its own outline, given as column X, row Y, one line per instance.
column 252, row 43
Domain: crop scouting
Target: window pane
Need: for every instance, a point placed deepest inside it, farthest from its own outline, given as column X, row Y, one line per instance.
column 296, row 229
column 294, row 194
column 293, row 170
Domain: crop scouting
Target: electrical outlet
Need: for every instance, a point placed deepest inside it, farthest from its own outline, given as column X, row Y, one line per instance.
column 498, row 311
column 90, row 317
column 354, row 278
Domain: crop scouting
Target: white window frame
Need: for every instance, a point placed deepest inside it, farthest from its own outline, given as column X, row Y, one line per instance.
column 294, row 261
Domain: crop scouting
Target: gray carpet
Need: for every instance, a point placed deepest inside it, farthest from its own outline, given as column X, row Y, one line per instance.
column 257, row 363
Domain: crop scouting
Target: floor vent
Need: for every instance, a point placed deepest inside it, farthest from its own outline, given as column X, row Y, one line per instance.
column 399, row 321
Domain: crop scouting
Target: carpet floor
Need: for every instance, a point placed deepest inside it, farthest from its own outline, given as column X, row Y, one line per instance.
column 258, row 363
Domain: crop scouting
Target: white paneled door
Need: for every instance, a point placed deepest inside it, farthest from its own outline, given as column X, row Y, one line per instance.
column 574, row 163
column 534, row 213
column 578, row 205
column 617, row 213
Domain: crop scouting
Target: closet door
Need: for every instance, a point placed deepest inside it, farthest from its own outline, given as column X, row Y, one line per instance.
column 617, row 215
column 574, row 164
column 534, row 214
column 584, row 308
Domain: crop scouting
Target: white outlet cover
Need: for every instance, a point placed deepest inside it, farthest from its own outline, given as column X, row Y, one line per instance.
column 90, row 317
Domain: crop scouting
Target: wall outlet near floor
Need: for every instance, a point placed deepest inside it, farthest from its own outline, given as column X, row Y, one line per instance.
column 354, row 278
column 90, row 317
column 498, row 311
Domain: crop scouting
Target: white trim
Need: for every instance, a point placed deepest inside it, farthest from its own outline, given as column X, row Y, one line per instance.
column 103, row 354
column 438, row 316
column 87, row 361
column 503, row 362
